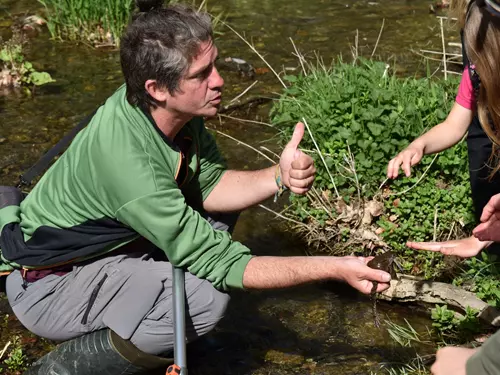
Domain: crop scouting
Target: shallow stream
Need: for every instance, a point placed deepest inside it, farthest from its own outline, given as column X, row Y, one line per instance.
column 320, row 329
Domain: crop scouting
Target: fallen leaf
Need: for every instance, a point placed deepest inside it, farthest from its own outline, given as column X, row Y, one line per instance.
column 369, row 235
column 375, row 208
column 261, row 70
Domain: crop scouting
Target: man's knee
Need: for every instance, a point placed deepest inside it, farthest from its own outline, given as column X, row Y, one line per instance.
column 207, row 306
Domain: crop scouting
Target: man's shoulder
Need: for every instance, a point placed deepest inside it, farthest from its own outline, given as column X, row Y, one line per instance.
column 118, row 126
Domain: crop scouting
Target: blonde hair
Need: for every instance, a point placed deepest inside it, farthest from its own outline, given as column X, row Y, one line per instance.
column 481, row 32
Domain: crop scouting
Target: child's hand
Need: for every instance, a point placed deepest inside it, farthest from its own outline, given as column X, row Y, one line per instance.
column 405, row 159
column 464, row 248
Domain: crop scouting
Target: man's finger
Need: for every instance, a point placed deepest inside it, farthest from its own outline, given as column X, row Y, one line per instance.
column 298, row 154
column 302, row 173
column 382, row 286
column 301, row 183
column 366, row 259
column 376, row 275
column 303, row 161
column 298, row 133
column 300, row 191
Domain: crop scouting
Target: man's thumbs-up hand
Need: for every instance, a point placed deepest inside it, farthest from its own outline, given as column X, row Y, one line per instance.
column 297, row 168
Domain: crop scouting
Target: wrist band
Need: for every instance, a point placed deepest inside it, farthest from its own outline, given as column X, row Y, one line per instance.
column 279, row 183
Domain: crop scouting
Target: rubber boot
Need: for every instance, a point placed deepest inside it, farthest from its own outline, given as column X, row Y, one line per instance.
column 101, row 352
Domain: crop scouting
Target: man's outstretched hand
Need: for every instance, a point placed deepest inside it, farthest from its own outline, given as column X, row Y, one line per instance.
column 355, row 272
column 297, row 168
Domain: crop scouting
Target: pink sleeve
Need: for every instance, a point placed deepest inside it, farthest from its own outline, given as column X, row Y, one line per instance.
column 465, row 95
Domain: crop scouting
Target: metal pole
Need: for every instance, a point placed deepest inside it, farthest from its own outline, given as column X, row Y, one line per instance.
column 179, row 296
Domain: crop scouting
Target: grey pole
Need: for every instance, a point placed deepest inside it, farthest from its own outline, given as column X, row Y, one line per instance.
column 179, row 291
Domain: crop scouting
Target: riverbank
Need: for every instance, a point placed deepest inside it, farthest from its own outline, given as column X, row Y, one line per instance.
column 358, row 116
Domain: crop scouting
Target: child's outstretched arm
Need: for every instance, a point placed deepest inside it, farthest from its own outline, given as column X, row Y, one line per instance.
column 439, row 138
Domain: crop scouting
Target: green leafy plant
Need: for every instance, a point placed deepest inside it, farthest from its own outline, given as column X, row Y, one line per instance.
column 481, row 276
column 16, row 71
column 447, row 323
column 16, row 360
column 444, row 320
column 363, row 113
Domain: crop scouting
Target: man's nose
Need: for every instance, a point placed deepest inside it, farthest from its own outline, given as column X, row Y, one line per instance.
column 215, row 79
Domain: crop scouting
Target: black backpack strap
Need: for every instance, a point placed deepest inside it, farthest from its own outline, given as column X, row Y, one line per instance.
column 42, row 163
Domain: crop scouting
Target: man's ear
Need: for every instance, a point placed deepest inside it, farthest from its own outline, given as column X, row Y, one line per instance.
column 155, row 91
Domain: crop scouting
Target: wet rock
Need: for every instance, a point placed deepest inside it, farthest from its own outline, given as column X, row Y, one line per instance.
column 315, row 315
column 6, row 23
column 20, row 138
column 281, row 358
column 241, row 66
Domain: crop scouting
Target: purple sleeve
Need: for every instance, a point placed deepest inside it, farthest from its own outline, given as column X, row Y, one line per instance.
column 465, row 95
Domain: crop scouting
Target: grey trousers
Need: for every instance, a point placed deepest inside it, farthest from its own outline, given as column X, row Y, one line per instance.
column 130, row 293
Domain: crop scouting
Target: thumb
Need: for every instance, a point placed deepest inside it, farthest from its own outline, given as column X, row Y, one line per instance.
column 377, row 275
column 298, row 133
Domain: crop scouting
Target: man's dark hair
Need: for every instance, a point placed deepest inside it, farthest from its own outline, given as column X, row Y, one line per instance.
column 160, row 44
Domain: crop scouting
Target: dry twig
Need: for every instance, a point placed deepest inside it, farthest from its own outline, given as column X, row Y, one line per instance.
column 244, row 144
column 444, row 48
column 5, row 349
column 246, row 120
column 284, row 217
column 321, row 156
column 378, row 39
column 255, row 51
column 300, row 57
column 243, row 93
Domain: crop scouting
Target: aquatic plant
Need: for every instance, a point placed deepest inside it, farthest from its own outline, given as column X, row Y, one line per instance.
column 15, row 70
column 98, row 22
